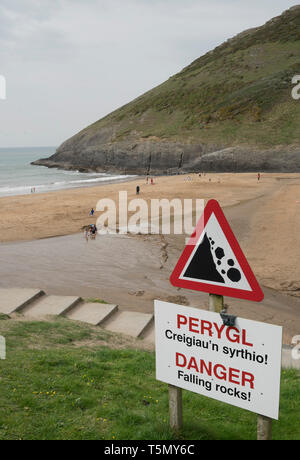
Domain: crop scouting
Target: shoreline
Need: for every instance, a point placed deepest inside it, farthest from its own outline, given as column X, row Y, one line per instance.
column 76, row 187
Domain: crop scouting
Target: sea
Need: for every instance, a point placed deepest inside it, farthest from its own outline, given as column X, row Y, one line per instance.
column 19, row 177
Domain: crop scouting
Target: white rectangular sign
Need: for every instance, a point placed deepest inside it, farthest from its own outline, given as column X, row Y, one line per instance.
column 239, row 365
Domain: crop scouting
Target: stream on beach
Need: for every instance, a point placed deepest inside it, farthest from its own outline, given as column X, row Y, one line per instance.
column 125, row 270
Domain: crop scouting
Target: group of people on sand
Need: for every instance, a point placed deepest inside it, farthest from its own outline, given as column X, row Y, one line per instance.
column 151, row 180
column 90, row 232
column 137, row 190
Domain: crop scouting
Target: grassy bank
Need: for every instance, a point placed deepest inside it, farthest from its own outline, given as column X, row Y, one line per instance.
column 65, row 380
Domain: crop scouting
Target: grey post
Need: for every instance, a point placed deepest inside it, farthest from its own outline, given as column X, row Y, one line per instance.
column 264, row 428
column 216, row 303
column 175, row 407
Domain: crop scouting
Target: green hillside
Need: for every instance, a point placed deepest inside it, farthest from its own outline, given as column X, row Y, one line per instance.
column 236, row 97
column 240, row 92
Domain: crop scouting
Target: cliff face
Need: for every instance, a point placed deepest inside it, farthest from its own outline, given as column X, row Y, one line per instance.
column 231, row 109
column 171, row 158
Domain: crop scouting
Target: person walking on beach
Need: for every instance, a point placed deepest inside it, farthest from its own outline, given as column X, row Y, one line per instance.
column 137, row 189
column 92, row 212
column 258, row 177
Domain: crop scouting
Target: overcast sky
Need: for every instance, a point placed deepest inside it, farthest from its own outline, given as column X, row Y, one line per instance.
column 67, row 63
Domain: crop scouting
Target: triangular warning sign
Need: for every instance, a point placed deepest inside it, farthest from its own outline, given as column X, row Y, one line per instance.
column 213, row 261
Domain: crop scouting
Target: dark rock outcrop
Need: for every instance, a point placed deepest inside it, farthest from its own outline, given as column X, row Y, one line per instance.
column 172, row 158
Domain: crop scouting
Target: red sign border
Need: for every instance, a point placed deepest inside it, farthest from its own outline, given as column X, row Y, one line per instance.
column 256, row 294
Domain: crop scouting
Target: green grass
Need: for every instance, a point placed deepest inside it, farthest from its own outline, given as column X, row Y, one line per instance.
column 92, row 300
column 54, row 386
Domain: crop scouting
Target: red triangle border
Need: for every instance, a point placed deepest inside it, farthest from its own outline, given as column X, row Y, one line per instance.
column 256, row 294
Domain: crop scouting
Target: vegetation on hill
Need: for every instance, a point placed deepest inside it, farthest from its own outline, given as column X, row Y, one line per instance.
column 239, row 92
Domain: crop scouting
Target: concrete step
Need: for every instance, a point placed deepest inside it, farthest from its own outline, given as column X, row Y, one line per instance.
column 12, row 300
column 51, row 305
column 92, row 313
column 149, row 334
column 129, row 323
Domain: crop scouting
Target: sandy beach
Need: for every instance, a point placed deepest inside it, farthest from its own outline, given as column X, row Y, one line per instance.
column 43, row 215
column 42, row 244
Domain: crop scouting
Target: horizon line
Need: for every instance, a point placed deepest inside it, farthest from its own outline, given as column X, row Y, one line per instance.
column 29, row 147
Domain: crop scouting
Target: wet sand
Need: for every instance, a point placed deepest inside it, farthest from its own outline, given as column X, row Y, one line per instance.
column 133, row 271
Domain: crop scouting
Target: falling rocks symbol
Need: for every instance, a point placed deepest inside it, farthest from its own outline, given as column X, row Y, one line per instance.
column 207, row 271
column 213, row 262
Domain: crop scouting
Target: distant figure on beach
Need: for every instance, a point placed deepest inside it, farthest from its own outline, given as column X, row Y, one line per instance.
column 92, row 212
column 137, row 189
column 258, row 177
column 93, row 231
column 152, row 183
column 147, row 179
